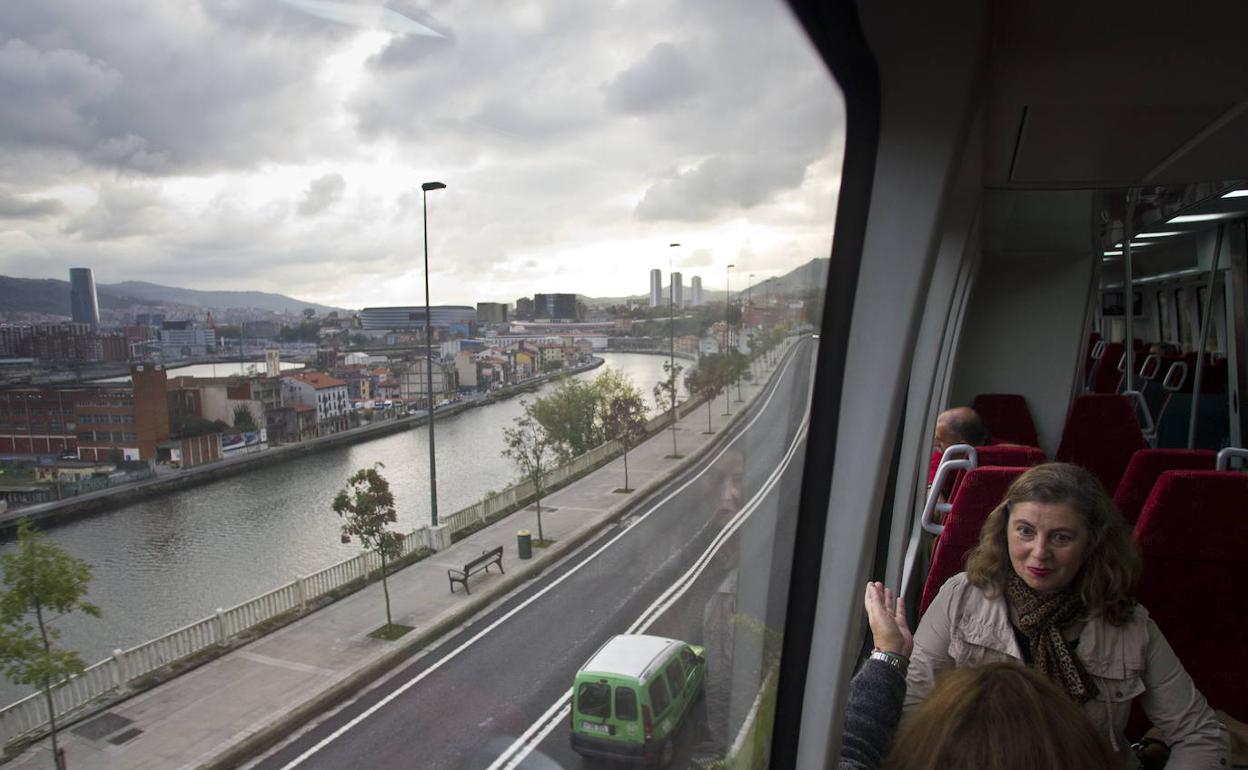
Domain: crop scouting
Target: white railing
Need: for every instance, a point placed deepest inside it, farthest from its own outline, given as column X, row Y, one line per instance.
column 116, row 673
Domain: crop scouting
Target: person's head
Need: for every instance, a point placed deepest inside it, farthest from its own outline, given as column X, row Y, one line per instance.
column 960, row 425
column 1057, row 529
column 999, row 716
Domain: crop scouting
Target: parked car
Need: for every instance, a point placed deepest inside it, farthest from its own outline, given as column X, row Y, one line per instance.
column 632, row 696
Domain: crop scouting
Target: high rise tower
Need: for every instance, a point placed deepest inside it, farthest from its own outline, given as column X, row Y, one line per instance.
column 678, row 289
column 656, row 287
column 83, row 306
column 695, row 291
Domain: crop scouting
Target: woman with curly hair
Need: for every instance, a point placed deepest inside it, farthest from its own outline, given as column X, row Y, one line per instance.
column 1049, row 584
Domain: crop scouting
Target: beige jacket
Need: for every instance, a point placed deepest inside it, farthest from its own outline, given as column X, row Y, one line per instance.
column 964, row 627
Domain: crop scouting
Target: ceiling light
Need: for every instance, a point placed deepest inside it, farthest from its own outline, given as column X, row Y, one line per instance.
column 1135, row 244
column 1198, row 218
column 1236, row 194
column 1157, row 235
column 1113, row 253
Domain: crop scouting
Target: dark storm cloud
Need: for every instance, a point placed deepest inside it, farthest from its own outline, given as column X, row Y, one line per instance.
column 158, row 88
column 664, row 78
column 321, row 194
column 719, row 184
column 13, row 207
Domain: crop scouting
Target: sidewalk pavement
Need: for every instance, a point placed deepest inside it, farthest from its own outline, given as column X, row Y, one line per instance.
column 232, row 708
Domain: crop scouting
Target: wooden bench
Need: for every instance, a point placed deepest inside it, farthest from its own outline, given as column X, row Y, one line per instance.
column 479, row 564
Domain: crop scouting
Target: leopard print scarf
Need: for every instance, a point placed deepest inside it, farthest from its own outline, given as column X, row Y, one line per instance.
column 1041, row 619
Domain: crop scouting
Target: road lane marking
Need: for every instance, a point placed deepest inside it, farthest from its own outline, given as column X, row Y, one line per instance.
column 559, row 711
column 418, row 678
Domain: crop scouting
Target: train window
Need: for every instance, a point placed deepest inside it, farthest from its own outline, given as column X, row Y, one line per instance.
column 1165, row 315
column 310, row 211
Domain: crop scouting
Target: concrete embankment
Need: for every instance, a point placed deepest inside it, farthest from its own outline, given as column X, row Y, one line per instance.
column 165, row 483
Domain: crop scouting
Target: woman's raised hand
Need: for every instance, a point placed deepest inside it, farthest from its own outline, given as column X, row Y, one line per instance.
column 887, row 615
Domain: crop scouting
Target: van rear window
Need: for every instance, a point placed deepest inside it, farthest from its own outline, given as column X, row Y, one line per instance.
column 658, row 695
column 625, row 704
column 594, row 699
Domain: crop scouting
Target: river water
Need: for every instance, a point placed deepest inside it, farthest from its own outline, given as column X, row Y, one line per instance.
column 164, row 562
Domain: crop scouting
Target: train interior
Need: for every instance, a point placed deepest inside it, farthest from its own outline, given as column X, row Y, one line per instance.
column 1043, row 214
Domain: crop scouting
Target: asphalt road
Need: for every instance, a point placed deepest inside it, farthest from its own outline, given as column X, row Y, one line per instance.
column 721, row 532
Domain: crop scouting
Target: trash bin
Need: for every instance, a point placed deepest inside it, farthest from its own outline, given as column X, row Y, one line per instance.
column 524, row 544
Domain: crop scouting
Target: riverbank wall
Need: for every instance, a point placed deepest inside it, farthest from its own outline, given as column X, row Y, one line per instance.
column 104, row 500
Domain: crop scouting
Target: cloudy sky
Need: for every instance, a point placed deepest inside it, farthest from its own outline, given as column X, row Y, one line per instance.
column 279, row 145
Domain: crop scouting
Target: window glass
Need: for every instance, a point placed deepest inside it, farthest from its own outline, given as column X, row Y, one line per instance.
column 594, row 699
column 675, row 677
column 1165, row 317
column 658, row 695
column 625, row 704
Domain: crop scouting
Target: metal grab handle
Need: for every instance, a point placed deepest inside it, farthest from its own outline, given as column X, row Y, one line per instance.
column 1181, row 368
column 1122, row 363
column 953, row 451
column 1150, row 374
column 932, row 505
column 1225, row 455
column 1098, row 350
column 1149, row 428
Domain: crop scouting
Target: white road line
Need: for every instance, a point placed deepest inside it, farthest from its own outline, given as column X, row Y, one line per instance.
column 532, row 737
column 775, row 385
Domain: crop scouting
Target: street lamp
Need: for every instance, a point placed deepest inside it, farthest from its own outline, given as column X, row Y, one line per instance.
column 671, row 334
column 727, row 305
column 433, row 465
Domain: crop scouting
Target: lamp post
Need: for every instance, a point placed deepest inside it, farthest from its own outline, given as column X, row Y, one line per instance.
column 671, row 335
column 727, row 306
column 433, row 465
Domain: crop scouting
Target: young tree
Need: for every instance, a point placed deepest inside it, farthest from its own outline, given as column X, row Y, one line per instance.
column 367, row 506
column 665, row 396
column 529, row 447
column 40, row 579
column 704, row 383
column 569, row 418
column 623, row 415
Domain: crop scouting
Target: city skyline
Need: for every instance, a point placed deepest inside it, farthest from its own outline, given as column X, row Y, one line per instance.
column 298, row 171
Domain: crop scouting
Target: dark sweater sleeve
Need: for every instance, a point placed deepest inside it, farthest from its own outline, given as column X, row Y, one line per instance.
column 875, row 696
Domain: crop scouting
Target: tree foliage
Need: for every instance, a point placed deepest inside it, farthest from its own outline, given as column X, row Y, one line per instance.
column 40, row 579
column 530, row 448
column 666, row 395
column 243, row 419
column 569, row 417
column 366, row 506
column 707, row 381
column 622, row 412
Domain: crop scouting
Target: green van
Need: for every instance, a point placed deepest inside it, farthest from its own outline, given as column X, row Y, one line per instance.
column 632, row 695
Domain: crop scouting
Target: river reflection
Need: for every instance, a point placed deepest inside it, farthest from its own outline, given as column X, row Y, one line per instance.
column 162, row 563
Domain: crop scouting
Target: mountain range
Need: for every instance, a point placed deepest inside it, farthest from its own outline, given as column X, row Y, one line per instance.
column 48, row 295
column 51, row 296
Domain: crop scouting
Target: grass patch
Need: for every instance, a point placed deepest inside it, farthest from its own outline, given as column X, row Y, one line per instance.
column 708, row 433
column 389, row 633
column 543, row 543
column 622, row 490
column 673, row 457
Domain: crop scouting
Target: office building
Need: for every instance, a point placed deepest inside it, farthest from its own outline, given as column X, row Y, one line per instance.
column 556, row 307
column 524, row 309
column 678, row 290
column 656, row 287
column 456, row 319
column 695, row 291
column 491, row 312
column 84, row 307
